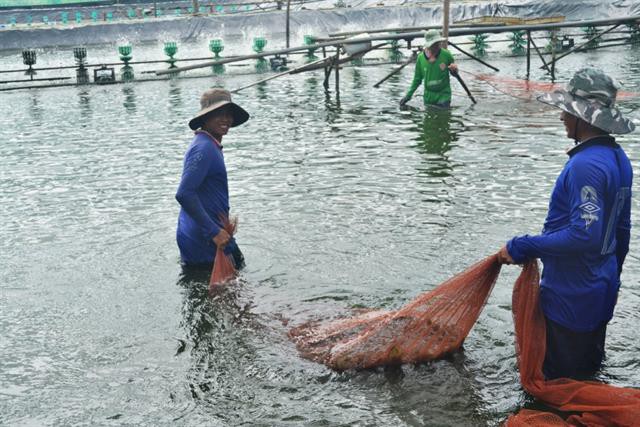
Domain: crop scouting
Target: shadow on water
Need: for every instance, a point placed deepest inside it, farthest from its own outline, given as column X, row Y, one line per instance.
column 217, row 329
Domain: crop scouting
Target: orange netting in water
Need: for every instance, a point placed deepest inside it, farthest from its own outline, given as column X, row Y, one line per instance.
column 598, row 404
column 223, row 266
column 429, row 327
column 437, row 322
column 528, row 89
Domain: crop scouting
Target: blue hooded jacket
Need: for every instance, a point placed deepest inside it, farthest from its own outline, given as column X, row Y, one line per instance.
column 585, row 237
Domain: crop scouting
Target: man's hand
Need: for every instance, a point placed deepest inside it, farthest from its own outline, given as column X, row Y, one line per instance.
column 453, row 68
column 404, row 100
column 504, row 257
column 221, row 239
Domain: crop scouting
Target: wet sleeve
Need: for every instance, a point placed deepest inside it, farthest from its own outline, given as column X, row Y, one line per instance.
column 417, row 75
column 623, row 233
column 196, row 166
column 584, row 188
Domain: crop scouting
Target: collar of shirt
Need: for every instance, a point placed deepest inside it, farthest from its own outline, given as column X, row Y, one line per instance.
column 594, row 140
column 215, row 141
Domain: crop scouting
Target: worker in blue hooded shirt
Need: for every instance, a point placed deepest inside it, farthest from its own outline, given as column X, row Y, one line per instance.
column 585, row 238
column 203, row 192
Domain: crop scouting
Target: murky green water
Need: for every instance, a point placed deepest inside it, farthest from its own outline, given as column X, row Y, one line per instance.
column 342, row 204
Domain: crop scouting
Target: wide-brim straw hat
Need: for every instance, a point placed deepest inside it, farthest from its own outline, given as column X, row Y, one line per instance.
column 214, row 99
column 591, row 96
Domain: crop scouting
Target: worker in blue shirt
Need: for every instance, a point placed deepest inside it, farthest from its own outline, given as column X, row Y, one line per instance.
column 585, row 238
column 203, row 192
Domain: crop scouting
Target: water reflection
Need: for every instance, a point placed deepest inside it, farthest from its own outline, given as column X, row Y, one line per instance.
column 311, row 86
column 84, row 102
column 262, row 91
column 451, row 374
column 435, row 136
column 175, row 96
column 216, row 335
column 358, row 82
column 35, row 109
column 129, row 98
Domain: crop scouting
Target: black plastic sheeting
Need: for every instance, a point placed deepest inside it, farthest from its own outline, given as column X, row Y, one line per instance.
column 359, row 16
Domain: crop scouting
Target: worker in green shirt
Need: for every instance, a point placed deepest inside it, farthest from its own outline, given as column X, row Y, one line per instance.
column 432, row 67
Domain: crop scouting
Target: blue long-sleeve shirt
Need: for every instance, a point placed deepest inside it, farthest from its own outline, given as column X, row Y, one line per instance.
column 203, row 195
column 585, row 237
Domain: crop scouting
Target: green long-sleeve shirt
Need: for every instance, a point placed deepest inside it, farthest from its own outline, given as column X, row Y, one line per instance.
column 437, row 89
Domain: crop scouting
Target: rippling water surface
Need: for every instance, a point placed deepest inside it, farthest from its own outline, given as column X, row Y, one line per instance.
column 342, row 204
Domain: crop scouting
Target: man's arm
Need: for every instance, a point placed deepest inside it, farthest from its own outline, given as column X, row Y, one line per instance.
column 418, row 76
column 623, row 233
column 584, row 186
column 196, row 165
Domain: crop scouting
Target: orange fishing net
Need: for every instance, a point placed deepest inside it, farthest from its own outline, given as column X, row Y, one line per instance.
column 529, row 89
column 437, row 322
column 597, row 404
column 223, row 266
column 429, row 327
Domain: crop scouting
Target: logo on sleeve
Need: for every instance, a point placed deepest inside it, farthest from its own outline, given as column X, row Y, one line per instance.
column 589, row 207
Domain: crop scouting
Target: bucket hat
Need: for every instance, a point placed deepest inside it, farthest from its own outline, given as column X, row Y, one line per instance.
column 591, row 96
column 216, row 98
column 432, row 36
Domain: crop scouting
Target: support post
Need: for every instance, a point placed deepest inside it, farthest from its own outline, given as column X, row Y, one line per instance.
column 196, row 7
column 445, row 22
column 326, row 73
column 597, row 36
column 337, row 72
column 544, row 63
column 528, row 54
column 288, row 20
column 554, row 42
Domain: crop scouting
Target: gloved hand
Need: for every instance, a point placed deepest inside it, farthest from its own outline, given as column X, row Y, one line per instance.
column 404, row 100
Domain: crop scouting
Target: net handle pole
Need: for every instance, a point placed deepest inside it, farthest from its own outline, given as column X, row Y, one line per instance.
column 414, row 55
column 473, row 56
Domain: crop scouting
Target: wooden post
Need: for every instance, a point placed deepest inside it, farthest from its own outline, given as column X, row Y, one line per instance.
column 445, row 23
column 544, row 64
column 326, row 72
column 337, row 62
column 576, row 48
column 528, row 53
column 196, row 7
column 288, row 20
column 554, row 42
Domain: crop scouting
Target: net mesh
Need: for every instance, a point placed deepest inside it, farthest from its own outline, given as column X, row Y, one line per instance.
column 431, row 326
column 437, row 322
column 530, row 89
column 223, row 265
column 596, row 404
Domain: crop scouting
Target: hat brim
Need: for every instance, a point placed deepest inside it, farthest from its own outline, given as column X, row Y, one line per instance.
column 609, row 119
column 239, row 114
column 434, row 41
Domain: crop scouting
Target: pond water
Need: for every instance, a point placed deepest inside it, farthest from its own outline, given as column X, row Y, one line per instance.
column 342, row 203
